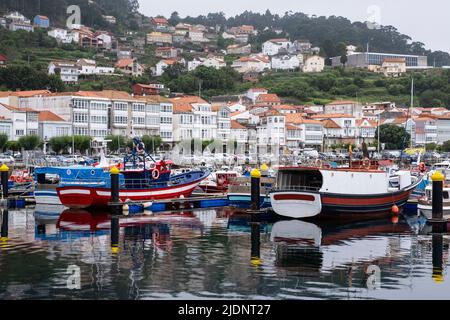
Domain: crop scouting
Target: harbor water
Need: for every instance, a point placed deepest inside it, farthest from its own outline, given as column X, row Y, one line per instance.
column 47, row 253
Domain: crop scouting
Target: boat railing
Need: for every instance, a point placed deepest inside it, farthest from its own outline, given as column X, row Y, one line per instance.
column 296, row 189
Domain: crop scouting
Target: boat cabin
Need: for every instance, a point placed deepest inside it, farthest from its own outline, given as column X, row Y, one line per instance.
column 158, row 172
column 336, row 181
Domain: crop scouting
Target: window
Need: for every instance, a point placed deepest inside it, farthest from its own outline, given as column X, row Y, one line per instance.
column 80, row 104
column 62, row 131
column 81, row 131
column 98, row 133
column 32, row 117
column 152, row 121
column 139, row 107
column 80, row 117
column 33, row 132
column 166, row 120
column 99, row 119
column 166, row 108
column 99, row 106
column 206, row 120
column 20, row 132
column 224, row 113
column 166, row 135
column 121, row 106
column 5, row 129
column 186, row 119
column 153, row 108
column 139, row 120
column 205, row 134
column 120, row 119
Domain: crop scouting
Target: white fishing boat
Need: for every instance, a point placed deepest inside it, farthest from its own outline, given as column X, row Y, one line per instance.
column 425, row 207
column 304, row 192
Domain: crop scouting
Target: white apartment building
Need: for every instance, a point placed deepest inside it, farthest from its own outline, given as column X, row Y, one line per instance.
column 25, row 121
column 193, row 118
column 239, row 132
column 346, row 123
column 271, row 132
column 223, row 122
column 51, row 125
column 311, row 131
column 100, row 113
column 68, row 71
column 344, row 107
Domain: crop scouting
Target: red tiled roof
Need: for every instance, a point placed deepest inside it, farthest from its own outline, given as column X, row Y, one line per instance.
column 338, row 102
column 268, row 97
column 11, row 108
column 284, row 107
column 49, row 116
column 297, row 118
column 279, row 40
column 3, row 58
column 236, row 125
column 330, row 124
column 124, row 63
column 160, row 20
column 331, row 116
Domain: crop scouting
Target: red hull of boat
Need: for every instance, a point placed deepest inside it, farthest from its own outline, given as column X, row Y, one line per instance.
column 77, row 197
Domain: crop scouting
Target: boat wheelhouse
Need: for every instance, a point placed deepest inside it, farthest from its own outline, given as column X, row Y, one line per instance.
column 305, row 192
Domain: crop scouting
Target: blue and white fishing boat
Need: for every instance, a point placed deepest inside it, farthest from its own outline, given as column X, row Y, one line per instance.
column 47, row 179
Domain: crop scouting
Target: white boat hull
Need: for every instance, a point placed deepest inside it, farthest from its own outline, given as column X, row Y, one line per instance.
column 427, row 211
column 47, row 197
column 297, row 205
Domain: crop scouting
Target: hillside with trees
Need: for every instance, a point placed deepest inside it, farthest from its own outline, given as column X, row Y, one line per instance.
column 324, row 32
column 125, row 11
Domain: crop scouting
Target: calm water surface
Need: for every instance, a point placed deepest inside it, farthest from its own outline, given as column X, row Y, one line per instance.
column 205, row 254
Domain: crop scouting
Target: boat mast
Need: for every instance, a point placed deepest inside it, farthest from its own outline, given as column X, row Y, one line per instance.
column 412, row 106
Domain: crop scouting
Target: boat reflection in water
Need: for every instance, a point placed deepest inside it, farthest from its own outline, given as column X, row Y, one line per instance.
column 314, row 248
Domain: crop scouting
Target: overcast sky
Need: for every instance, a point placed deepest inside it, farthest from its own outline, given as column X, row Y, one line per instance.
column 426, row 21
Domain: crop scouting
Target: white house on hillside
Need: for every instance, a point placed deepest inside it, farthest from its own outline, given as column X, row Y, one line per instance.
column 273, row 46
column 286, row 62
column 314, row 64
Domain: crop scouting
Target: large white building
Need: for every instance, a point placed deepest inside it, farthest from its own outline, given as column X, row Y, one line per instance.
column 100, row 113
column 51, row 125
column 25, row 121
column 193, row 118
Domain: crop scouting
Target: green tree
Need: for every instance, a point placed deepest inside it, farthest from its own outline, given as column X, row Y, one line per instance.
column 152, row 143
column 30, row 142
column 344, row 60
column 61, row 144
column 394, row 137
column 82, row 143
column 13, row 145
column 3, row 140
column 446, row 146
column 116, row 142
column 431, row 146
